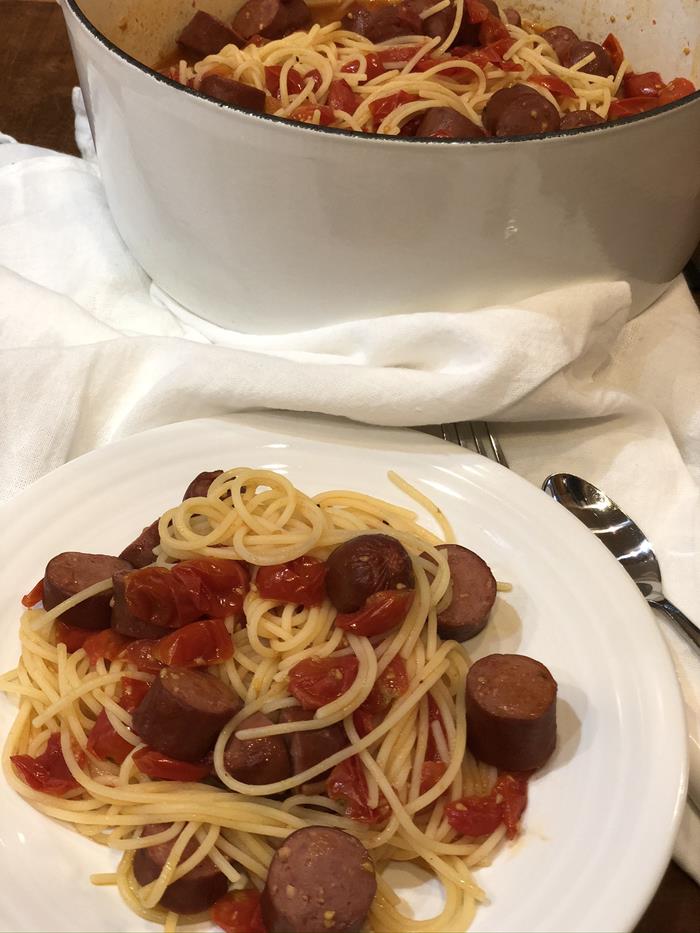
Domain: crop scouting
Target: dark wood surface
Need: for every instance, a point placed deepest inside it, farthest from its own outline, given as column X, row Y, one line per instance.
column 35, row 107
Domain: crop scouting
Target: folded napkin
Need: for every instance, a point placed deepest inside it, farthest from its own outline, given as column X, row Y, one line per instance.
column 91, row 351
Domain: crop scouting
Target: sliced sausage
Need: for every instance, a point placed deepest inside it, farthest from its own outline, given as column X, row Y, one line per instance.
column 519, row 111
column 194, row 892
column 232, row 92
column 257, row 761
column 183, row 713
column 206, row 35
column 365, row 565
column 561, row 38
column 306, row 749
column 600, row 65
column 140, row 552
column 72, row 572
column 446, row 123
column 578, row 118
column 202, row 481
column 123, row 621
column 473, row 593
column 319, row 880
column 271, row 19
column 513, row 17
column 384, row 22
column 440, row 24
column 511, row 712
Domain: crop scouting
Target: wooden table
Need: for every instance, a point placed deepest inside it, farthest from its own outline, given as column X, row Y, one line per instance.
column 35, row 107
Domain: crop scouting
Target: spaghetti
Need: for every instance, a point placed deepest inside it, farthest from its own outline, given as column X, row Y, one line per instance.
column 260, row 517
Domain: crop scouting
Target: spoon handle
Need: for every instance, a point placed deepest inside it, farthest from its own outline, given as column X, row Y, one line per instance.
column 690, row 629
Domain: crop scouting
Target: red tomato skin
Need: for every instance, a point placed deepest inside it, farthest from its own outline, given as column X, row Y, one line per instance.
column 300, row 581
column 380, row 613
column 342, row 97
column 395, row 55
column 631, row 106
column 382, row 107
column 140, row 654
column 305, row 114
column 107, row 644
column 163, row 768
column 273, row 73
column 492, row 30
column 475, row 816
column 105, row 743
column 553, row 84
column 373, row 66
column 613, row 47
column 511, row 787
column 317, row 681
column 195, row 645
column 476, row 12
column 648, row 84
column 389, row 686
column 431, row 772
column 239, row 912
column 675, row 90
column 132, row 693
column 347, row 784
column 48, row 772
column 34, row 596
column 71, row 636
column 315, row 75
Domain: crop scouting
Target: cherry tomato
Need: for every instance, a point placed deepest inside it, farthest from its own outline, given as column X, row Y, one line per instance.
column 389, row 686
column 476, row 12
column 512, row 789
column 675, row 90
column 315, row 75
column 612, row 46
column 140, row 653
column 342, row 97
column 317, row 681
column 431, row 772
column 480, row 816
column 299, row 581
column 380, row 613
column 492, row 30
column 306, row 114
column 396, row 56
column 459, row 71
column 295, row 82
column 105, row 743
column 373, row 66
column 106, row 644
column 644, row 85
column 35, row 595
column 71, row 636
column 553, row 84
column 195, row 645
column 164, row 768
column 192, row 589
column 368, row 563
column 492, row 54
column 347, row 784
column 631, row 106
column 132, row 692
column 48, row 772
column 239, row 912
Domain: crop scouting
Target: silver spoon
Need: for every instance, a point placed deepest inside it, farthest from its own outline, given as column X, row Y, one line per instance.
column 625, row 541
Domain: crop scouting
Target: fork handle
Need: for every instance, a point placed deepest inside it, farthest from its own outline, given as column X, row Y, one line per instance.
column 689, row 629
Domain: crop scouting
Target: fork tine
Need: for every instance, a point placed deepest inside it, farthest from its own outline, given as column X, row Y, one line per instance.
column 495, row 446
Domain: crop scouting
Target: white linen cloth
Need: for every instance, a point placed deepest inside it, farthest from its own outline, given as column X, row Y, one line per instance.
column 91, row 351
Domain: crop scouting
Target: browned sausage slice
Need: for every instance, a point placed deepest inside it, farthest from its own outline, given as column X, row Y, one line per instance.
column 232, row 92
column 511, row 712
column 123, row 621
column 206, row 35
column 513, row 17
column 384, row 22
column 257, row 761
column 140, row 552
column 473, row 589
column 364, row 565
column 202, row 481
column 446, row 123
column 319, row 881
column 195, row 891
column 600, row 65
column 561, row 38
column 440, row 24
column 519, row 111
column 579, row 118
column 68, row 574
column 306, row 749
column 271, row 19
column 183, row 713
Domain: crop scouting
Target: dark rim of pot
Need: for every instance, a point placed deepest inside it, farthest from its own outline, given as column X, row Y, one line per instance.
column 354, row 134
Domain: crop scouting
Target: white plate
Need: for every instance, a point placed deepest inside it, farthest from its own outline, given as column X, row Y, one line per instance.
column 603, row 813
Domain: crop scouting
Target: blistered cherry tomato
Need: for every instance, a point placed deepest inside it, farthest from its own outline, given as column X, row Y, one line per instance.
column 317, row 681
column 239, row 912
column 106, row 644
column 105, row 743
column 342, row 97
column 391, row 684
column 164, row 768
column 314, row 75
column 348, row 785
column 612, row 46
column 365, row 565
column 492, row 30
column 48, row 772
column 306, row 114
column 476, row 11
column 132, row 693
column 35, row 595
column 382, row 107
column 140, row 653
column 431, row 772
column 195, row 645
column 273, row 73
column 554, row 85
column 71, row 636
column 675, row 90
column 631, row 106
column 380, row 613
column 643, row 85
column 299, row 581
column 480, row 816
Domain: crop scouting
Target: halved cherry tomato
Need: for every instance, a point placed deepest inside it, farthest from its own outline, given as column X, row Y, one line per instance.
column 273, row 73
column 317, row 681
column 341, row 97
column 164, row 768
column 430, row 774
column 612, row 46
column 48, row 772
column 104, row 742
column 71, row 636
column 306, row 114
column 493, row 55
column 480, row 816
column 35, row 595
column 239, row 912
column 675, row 90
column 643, row 85
column 191, row 590
column 140, row 653
column 347, row 784
column 396, row 56
column 132, row 692
column 195, row 645
column 492, row 30
column 476, row 12
column 389, row 686
column 631, row 106
column 458, row 71
column 315, row 76
column 553, row 84
column 106, row 644
column 299, row 581
column 380, row 613
column 373, row 66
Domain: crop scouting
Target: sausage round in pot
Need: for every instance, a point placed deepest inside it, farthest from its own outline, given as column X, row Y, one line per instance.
column 576, row 119
column 70, row 573
column 601, row 63
column 257, row 761
column 140, row 552
column 519, row 111
column 321, row 880
column 472, row 594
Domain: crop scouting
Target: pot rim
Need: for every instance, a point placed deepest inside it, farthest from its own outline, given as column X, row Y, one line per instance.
column 72, row 5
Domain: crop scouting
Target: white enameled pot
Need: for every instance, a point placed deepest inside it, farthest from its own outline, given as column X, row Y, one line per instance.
column 266, row 226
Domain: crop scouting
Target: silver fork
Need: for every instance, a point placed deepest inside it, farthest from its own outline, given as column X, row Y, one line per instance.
column 471, row 433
